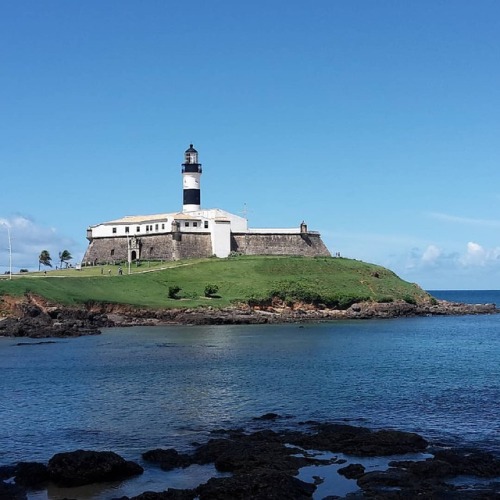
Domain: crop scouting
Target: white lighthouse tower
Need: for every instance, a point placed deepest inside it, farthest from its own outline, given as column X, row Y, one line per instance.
column 191, row 173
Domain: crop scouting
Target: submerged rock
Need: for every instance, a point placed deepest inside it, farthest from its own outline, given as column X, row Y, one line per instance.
column 352, row 471
column 170, row 494
column 167, row 459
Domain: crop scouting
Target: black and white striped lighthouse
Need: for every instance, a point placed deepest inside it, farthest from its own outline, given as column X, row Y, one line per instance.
column 191, row 172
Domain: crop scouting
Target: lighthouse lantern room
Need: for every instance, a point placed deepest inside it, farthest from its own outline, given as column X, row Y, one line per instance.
column 191, row 173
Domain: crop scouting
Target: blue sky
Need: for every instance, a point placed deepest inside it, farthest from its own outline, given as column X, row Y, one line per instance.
column 376, row 122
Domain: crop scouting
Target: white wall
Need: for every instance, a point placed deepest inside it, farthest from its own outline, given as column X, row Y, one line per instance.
column 238, row 224
column 154, row 227
column 221, row 238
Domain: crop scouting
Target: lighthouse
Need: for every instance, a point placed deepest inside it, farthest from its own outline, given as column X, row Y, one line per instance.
column 191, row 173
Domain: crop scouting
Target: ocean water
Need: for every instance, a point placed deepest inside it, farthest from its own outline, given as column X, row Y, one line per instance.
column 133, row 389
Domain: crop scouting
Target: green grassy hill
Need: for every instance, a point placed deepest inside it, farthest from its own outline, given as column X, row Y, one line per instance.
column 336, row 282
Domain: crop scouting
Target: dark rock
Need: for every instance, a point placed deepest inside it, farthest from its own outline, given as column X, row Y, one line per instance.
column 385, row 479
column 401, row 484
column 43, row 326
column 244, row 453
column 386, row 442
column 31, row 474
column 267, row 416
column 170, row 494
column 10, row 491
column 352, row 471
column 248, row 453
column 470, row 462
column 31, row 310
column 430, row 468
column 167, row 459
column 260, row 485
column 85, row 467
column 360, row 441
column 399, row 308
column 7, row 471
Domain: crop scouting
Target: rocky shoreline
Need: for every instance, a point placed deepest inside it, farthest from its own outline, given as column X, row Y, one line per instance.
column 266, row 464
column 32, row 317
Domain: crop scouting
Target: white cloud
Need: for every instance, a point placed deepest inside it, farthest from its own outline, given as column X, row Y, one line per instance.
column 28, row 239
column 474, row 266
column 431, row 255
column 464, row 220
column 476, row 255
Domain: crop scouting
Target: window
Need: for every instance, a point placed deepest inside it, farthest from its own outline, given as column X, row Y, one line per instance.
column 206, row 224
column 147, row 228
column 127, row 229
column 114, row 230
column 186, row 224
column 112, row 252
column 195, row 224
column 138, row 228
column 163, row 226
column 156, row 227
column 150, row 250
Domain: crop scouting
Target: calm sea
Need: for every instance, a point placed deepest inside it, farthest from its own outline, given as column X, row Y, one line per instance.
column 134, row 389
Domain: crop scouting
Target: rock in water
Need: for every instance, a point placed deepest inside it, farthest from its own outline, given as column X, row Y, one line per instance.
column 81, row 467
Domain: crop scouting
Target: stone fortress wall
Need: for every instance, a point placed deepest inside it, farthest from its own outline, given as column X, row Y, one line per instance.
column 307, row 244
column 178, row 246
column 170, row 246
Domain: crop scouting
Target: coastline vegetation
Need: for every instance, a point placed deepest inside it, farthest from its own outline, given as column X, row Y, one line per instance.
column 257, row 280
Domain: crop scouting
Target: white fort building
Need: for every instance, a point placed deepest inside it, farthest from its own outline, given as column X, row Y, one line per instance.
column 193, row 232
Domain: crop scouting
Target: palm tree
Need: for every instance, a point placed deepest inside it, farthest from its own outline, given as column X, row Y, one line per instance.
column 44, row 258
column 64, row 256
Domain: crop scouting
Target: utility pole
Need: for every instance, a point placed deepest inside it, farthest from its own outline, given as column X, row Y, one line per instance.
column 10, row 253
column 10, row 248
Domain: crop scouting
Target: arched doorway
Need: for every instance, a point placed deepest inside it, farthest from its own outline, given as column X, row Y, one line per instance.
column 133, row 255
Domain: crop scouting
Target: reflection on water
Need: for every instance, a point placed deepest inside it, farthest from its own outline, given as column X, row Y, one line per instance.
column 153, row 479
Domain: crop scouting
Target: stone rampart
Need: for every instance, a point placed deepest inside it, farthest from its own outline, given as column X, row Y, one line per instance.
column 150, row 247
column 178, row 245
column 307, row 244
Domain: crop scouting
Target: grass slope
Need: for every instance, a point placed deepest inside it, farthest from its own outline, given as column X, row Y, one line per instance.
column 334, row 281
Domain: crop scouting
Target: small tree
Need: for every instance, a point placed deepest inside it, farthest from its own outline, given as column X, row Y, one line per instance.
column 65, row 257
column 173, row 291
column 211, row 290
column 44, row 258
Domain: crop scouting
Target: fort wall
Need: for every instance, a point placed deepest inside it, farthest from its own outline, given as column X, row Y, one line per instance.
column 307, row 244
column 179, row 245
column 169, row 246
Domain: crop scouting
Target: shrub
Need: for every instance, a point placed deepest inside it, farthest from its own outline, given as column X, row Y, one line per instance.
column 295, row 291
column 256, row 301
column 410, row 300
column 385, row 300
column 173, row 291
column 211, row 290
